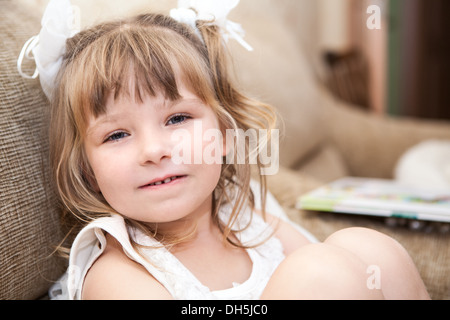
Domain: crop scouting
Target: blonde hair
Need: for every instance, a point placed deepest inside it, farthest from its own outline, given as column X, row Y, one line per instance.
column 98, row 61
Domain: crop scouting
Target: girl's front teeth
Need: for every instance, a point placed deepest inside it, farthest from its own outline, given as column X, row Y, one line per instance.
column 161, row 182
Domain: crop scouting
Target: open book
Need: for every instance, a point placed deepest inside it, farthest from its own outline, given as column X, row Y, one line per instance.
column 378, row 197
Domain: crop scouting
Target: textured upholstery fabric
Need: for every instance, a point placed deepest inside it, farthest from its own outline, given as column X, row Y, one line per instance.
column 28, row 216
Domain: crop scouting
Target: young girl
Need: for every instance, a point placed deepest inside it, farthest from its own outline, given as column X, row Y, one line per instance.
column 156, row 229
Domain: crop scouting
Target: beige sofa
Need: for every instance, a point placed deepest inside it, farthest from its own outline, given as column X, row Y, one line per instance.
column 323, row 139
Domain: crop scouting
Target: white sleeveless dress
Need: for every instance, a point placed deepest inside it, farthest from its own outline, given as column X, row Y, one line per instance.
column 165, row 267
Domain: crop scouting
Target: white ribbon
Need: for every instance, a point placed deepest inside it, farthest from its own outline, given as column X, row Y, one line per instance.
column 58, row 24
column 48, row 47
column 216, row 11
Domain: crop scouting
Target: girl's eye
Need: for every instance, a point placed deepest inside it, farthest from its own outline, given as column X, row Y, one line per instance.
column 177, row 119
column 116, row 136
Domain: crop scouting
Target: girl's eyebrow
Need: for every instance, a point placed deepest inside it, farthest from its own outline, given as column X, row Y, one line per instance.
column 188, row 102
column 173, row 103
column 115, row 117
column 102, row 120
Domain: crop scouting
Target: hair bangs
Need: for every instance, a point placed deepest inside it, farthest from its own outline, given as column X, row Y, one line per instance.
column 136, row 61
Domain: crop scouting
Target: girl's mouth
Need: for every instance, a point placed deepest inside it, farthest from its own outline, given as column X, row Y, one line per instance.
column 163, row 181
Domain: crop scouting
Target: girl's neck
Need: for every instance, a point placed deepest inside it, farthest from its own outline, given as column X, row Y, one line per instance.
column 197, row 226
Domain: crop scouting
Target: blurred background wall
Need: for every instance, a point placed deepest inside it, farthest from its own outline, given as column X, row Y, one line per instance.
column 400, row 67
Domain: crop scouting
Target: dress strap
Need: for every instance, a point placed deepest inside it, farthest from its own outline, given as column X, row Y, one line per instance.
column 90, row 244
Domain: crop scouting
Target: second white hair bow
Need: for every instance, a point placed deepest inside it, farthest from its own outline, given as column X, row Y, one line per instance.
column 47, row 48
column 189, row 11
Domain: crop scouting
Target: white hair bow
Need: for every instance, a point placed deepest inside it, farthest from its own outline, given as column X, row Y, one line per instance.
column 189, row 11
column 58, row 24
column 47, row 48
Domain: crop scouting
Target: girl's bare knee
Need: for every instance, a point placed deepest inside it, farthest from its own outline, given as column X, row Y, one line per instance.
column 398, row 274
column 372, row 247
column 320, row 271
column 354, row 236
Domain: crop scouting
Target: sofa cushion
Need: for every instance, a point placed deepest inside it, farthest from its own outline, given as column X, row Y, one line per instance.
column 29, row 223
column 325, row 164
column 277, row 72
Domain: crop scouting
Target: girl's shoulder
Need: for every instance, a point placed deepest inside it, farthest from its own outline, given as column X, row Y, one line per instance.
column 105, row 279
column 100, row 257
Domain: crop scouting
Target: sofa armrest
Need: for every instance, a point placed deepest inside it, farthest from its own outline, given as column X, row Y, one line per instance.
column 371, row 145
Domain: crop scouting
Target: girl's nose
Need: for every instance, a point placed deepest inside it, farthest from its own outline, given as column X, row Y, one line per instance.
column 154, row 148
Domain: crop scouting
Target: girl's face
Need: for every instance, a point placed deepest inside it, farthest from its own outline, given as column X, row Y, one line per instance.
column 130, row 150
